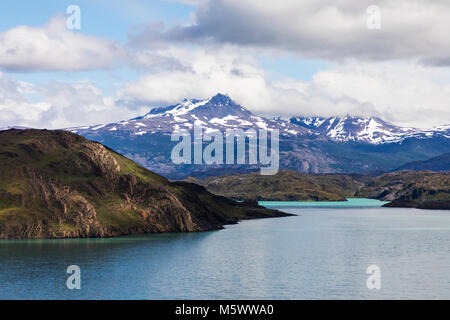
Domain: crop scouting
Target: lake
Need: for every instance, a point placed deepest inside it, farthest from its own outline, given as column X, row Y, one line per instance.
column 323, row 253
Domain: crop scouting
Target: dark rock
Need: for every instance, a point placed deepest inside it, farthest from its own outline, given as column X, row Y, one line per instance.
column 437, row 204
column 402, row 204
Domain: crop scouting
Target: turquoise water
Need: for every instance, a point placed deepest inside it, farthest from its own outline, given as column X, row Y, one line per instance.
column 350, row 203
column 322, row 253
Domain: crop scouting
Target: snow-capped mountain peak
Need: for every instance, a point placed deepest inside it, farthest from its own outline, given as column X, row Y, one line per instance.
column 310, row 122
column 370, row 130
column 219, row 112
column 185, row 107
column 219, row 103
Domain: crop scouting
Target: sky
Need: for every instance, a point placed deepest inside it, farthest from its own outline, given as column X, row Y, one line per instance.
column 73, row 63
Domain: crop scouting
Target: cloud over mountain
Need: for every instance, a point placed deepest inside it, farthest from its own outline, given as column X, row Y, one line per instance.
column 389, row 73
column 332, row 30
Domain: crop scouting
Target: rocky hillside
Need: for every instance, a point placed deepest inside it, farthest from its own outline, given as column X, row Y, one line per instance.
column 56, row 184
column 423, row 189
column 285, row 186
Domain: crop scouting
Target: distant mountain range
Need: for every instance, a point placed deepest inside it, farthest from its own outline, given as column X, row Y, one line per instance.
column 372, row 130
column 218, row 112
column 439, row 163
column 221, row 112
column 310, row 145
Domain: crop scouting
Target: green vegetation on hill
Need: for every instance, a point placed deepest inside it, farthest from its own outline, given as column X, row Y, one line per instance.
column 56, row 184
column 286, row 185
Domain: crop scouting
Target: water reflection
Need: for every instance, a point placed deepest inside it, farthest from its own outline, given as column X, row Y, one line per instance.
column 321, row 253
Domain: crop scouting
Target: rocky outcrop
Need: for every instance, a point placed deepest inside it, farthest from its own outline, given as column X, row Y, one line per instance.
column 431, row 205
column 410, row 189
column 436, row 204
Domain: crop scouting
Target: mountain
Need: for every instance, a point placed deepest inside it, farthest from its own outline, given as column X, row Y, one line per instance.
column 372, row 130
column 309, row 145
column 284, row 186
column 147, row 140
column 56, row 184
column 218, row 112
column 220, row 106
column 439, row 163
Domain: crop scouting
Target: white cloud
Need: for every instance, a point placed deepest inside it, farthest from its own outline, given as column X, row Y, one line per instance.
column 15, row 108
column 201, row 73
column 54, row 48
column 328, row 29
column 405, row 94
column 377, row 72
column 59, row 105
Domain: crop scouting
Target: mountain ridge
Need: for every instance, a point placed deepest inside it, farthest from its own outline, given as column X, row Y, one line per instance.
column 370, row 130
column 439, row 163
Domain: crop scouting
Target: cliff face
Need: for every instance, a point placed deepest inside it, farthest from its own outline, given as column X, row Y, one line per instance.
column 55, row 184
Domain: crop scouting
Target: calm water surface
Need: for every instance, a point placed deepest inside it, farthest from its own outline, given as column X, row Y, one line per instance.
column 321, row 253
